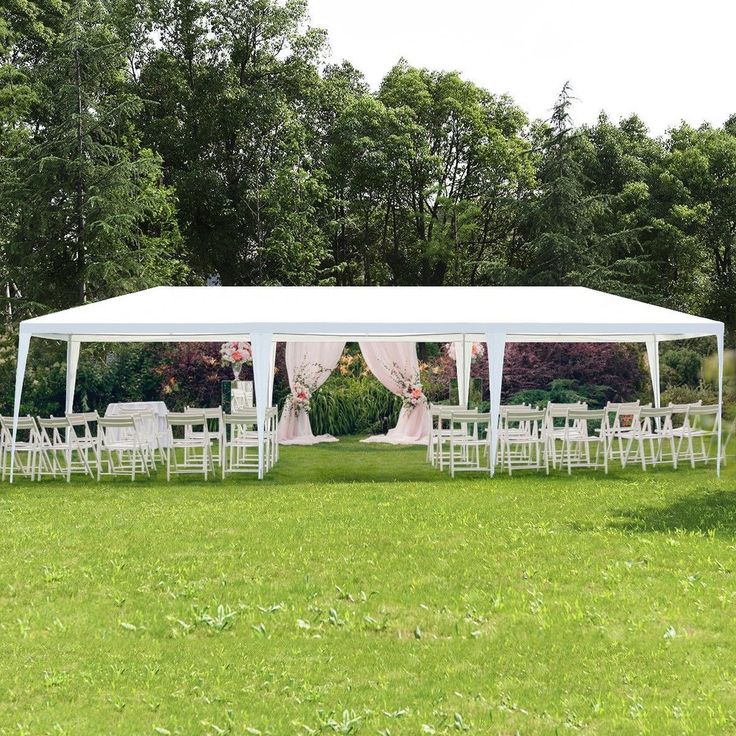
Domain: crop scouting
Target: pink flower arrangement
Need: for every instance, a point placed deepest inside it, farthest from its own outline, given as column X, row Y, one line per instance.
column 236, row 352
column 414, row 396
column 304, row 382
column 298, row 401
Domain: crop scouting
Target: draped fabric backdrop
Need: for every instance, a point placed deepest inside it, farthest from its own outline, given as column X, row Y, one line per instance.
column 385, row 360
column 312, row 362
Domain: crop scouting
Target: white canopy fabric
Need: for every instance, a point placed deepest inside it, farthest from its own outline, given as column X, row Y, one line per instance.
column 269, row 314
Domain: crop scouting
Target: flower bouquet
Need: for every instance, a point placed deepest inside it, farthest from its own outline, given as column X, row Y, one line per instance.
column 236, row 354
column 410, row 387
column 298, row 402
column 305, row 383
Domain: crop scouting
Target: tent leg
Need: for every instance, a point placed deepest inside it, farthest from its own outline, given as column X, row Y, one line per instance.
column 261, row 345
column 496, row 342
column 719, row 441
column 653, row 360
column 463, row 354
column 24, row 342
column 272, row 375
column 72, row 361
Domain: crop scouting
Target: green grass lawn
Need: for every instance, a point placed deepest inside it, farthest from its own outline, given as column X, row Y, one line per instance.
column 356, row 590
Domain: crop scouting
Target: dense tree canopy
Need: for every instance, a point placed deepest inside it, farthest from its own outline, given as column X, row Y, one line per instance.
column 184, row 141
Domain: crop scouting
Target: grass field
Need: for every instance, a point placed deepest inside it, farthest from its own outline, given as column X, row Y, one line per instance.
column 357, row 591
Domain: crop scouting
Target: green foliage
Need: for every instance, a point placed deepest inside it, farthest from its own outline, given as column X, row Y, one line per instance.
column 690, row 394
column 680, row 367
column 564, row 391
column 349, row 406
column 87, row 213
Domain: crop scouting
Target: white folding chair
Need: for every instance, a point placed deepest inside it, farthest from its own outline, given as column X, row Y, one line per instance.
column 438, row 447
column 240, row 438
column 61, row 449
column 215, row 427
column 652, row 437
column 147, row 429
column 468, row 441
column 84, row 427
column 522, row 440
column 119, row 449
column 620, row 429
column 241, row 443
column 556, row 426
column 27, row 446
column 272, row 431
column 703, row 423
column 189, row 447
column 578, row 436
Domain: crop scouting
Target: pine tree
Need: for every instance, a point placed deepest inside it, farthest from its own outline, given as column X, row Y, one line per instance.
column 92, row 216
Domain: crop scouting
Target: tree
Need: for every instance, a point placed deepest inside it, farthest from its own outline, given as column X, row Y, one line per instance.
column 703, row 164
column 91, row 216
column 232, row 83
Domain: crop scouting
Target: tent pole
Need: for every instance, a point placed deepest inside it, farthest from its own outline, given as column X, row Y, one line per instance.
column 719, row 340
column 653, row 360
column 72, row 362
column 496, row 342
column 462, row 369
column 272, row 374
column 261, row 344
column 24, row 342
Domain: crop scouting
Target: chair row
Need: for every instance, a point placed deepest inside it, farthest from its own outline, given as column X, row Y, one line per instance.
column 194, row 441
column 573, row 436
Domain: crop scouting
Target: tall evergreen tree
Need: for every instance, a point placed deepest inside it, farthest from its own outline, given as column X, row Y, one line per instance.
column 92, row 218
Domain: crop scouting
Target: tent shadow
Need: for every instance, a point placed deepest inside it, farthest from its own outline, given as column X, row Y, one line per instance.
column 703, row 511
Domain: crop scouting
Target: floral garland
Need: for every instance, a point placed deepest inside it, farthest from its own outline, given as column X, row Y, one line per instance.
column 410, row 387
column 299, row 400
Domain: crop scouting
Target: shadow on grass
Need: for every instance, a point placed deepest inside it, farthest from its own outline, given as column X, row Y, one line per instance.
column 701, row 510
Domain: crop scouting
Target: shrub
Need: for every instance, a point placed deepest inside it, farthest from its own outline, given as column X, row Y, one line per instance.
column 345, row 405
column 564, row 391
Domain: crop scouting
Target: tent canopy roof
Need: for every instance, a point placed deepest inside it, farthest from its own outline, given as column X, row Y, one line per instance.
column 523, row 313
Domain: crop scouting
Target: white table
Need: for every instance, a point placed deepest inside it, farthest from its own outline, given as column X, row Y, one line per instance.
column 157, row 407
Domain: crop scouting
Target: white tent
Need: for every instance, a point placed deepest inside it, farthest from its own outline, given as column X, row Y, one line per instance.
column 266, row 315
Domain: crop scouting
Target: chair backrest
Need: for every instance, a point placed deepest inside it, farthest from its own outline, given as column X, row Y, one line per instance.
column 652, row 412
column 470, row 416
column 52, row 422
column 559, row 411
column 683, row 408
column 505, row 409
column 585, row 414
column 209, row 412
column 704, row 412
column 619, row 406
column 120, row 421
column 579, row 419
column 79, row 419
column 25, row 424
column 186, row 419
column 525, row 415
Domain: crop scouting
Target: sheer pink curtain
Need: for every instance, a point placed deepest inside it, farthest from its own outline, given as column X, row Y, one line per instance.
column 312, row 362
column 388, row 361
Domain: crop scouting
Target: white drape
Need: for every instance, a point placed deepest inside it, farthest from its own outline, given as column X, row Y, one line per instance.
column 308, row 363
column 394, row 363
